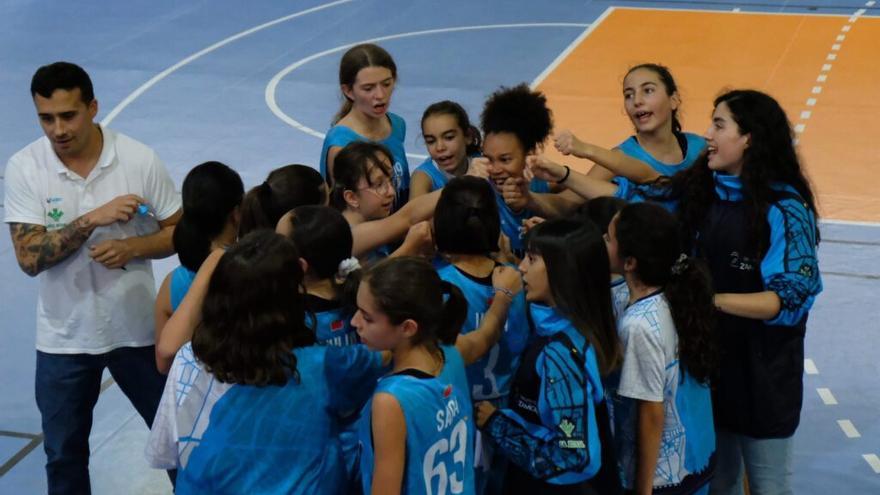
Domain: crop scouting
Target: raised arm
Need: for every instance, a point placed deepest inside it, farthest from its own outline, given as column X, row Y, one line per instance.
column 611, row 162
column 474, row 345
column 370, row 235
column 179, row 328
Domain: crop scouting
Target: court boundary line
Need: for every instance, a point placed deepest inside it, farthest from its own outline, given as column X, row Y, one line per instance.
column 748, row 12
column 272, row 85
column 128, row 100
column 37, row 438
column 571, row 47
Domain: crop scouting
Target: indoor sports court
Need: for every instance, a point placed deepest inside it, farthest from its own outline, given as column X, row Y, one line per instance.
column 254, row 85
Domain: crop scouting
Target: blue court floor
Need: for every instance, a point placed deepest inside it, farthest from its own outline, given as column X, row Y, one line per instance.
column 253, row 84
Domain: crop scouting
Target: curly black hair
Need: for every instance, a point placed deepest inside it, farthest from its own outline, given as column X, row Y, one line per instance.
column 520, row 111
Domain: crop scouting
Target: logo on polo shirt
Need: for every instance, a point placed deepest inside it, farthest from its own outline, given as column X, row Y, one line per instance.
column 55, row 214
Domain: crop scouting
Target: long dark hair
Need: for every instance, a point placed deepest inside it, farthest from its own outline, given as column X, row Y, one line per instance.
column 409, row 288
column 211, row 192
column 649, row 234
column 769, row 158
column 466, row 219
column 356, row 58
column 520, row 111
column 253, row 315
column 283, row 190
column 578, row 272
column 668, row 82
column 458, row 112
column 352, row 164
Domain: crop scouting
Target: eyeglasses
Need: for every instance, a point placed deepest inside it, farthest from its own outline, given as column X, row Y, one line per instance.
column 380, row 188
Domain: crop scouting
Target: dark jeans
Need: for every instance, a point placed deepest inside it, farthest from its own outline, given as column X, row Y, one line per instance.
column 67, row 388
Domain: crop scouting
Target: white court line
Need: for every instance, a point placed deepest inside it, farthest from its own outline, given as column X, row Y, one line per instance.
column 826, row 396
column 811, row 102
column 165, row 73
column 272, row 86
column 817, row 90
column 872, row 461
column 848, row 428
column 810, row 367
column 855, row 223
column 806, row 114
column 711, row 11
column 799, row 128
column 570, row 48
column 826, row 67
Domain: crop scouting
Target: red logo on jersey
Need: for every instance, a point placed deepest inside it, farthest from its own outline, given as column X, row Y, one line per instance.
column 489, row 301
column 337, row 325
column 447, row 391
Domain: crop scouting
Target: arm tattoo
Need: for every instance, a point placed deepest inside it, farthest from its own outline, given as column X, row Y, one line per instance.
column 38, row 249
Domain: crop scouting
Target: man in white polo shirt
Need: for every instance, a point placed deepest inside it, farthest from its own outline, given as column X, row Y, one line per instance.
column 72, row 205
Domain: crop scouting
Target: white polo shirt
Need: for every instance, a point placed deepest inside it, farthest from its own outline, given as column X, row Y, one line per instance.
column 84, row 307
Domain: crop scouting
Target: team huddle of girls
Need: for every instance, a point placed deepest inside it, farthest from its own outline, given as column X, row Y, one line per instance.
column 494, row 322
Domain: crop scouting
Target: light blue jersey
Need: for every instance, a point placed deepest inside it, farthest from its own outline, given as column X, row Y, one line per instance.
column 439, row 430
column 439, row 177
column 181, row 279
column 331, row 322
column 340, row 135
column 228, row 438
column 692, row 146
column 651, row 371
column 511, row 221
column 490, row 377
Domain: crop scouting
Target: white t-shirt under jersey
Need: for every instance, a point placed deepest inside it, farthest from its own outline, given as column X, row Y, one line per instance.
column 84, row 307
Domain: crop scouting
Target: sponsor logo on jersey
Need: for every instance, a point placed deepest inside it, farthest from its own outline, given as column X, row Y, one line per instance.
column 447, row 391
column 567, row 428
column 337, row 325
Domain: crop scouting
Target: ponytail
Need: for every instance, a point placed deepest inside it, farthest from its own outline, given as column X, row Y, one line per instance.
column 408, row 288
column 689, row 293
column 649, row 234
column 210, row 194
column 255, row 210
column 191, row 244
column 454, row 313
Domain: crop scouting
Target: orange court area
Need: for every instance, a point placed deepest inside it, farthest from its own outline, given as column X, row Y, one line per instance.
column 823, row 69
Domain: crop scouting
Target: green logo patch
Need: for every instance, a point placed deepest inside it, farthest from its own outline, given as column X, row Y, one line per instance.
column 55, row 214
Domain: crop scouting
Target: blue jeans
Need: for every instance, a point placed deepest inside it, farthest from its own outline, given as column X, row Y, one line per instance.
column 67, row 388
column 766, row 461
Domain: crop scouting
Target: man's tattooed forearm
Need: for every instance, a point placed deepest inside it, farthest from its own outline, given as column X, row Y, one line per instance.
column 37, row 249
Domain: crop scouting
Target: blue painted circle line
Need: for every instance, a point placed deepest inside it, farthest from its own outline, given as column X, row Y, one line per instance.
column 272, row 86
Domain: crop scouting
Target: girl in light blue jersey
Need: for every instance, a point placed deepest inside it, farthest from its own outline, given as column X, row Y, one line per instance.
column 466, row 230
column 418, row 433
column 363, row 192
column 662, row 406
column 515, row 122
column 554, row 430
column 451, row 141
column 211, row 196
column 367, row 76
column 251, row 405
column 324, row 241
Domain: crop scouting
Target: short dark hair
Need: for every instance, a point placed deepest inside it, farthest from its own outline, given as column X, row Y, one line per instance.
column 466, row 219
column 283, row 190
column 353, row 163
column 253, row 316
column 323, row 238
column 62, row 75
